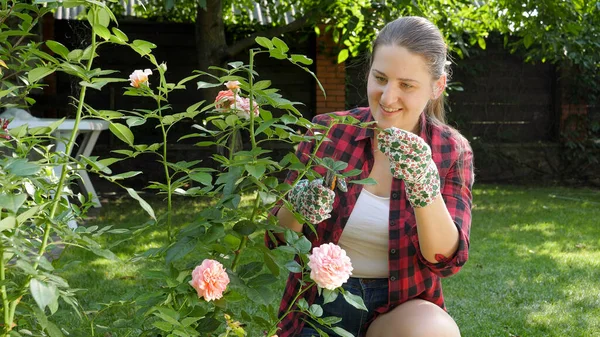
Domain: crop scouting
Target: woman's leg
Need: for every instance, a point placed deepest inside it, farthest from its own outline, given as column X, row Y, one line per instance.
column 415, row 318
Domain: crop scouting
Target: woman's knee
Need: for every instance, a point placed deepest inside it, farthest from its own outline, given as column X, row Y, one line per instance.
column 415, row 318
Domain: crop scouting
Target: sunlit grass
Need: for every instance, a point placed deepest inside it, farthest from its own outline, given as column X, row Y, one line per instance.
column 534, row 267
column 534, row 264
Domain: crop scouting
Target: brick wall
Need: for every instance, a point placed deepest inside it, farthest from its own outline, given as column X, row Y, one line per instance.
column 331, row 75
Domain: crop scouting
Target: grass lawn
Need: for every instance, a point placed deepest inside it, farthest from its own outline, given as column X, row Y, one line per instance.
column 534, row 267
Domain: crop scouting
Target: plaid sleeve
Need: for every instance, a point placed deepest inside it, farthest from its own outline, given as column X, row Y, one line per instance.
column 303, row 152
column 458, row 198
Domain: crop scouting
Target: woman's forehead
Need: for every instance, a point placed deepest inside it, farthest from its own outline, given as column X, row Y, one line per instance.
column 399, row 63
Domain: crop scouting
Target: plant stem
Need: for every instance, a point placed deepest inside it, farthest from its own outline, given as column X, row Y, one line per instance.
column 5, row 304
column 59, row 188
column 251, row 97
column 167, row 175
column 253, row 142
column 289, row 309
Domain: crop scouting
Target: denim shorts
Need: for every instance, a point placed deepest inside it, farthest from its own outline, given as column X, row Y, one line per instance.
column 374, row 293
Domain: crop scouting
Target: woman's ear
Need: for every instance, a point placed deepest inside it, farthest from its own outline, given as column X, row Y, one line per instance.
column 439, row 86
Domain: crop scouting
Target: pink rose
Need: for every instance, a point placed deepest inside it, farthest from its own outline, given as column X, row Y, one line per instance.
column 224, row 99
column 330, row 266
column 243, row 107
column 139, row 77
column 210, row 280
column 232, row 85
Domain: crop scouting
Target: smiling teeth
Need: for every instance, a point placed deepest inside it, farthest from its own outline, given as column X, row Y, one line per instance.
column 390, row 110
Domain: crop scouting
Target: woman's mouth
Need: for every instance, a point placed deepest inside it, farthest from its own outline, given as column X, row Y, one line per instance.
column 390, row 110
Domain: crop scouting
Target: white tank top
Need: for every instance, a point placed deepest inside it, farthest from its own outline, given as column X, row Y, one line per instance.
column 366, row 236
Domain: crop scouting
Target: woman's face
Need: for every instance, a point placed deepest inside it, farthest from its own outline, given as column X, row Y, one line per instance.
column 399, row 87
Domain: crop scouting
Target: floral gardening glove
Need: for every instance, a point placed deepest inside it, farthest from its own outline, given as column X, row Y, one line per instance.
column 410, row 160
column 313, row 200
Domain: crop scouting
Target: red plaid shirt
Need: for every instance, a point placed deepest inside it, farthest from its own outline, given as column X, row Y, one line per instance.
column 410, row 274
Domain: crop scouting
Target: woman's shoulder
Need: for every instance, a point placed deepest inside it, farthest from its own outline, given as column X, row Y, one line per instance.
column 448, row 137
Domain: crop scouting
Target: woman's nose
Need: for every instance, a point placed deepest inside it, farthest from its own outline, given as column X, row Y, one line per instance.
column 389, row 96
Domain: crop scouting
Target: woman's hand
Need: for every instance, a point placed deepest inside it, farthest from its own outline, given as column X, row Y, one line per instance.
column 313, row 200
column 410, row 160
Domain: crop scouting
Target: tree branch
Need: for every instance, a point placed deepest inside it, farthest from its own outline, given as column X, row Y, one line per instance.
column 243, row 44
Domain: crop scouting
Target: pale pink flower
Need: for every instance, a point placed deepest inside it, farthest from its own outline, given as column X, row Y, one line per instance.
column 243, row 107
column 140, row 77
column 210, row 280
column 232, row 85
column 228, row 99
column 330, row 266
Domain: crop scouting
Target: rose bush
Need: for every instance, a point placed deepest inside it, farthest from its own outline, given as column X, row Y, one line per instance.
column 230, row 285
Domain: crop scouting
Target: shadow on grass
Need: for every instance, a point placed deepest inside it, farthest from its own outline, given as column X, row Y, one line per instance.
column 534, row 266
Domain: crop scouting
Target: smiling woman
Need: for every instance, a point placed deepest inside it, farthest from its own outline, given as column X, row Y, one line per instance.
column 424, row 173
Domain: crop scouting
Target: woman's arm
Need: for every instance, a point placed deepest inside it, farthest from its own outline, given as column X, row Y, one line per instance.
column 437, row 232
column 287, row 220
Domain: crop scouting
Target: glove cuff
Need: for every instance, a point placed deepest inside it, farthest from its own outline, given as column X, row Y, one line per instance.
column 425, row 189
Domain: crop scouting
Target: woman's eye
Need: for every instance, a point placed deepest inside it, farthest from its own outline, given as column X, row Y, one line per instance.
column 380, row 79
column 406, row 86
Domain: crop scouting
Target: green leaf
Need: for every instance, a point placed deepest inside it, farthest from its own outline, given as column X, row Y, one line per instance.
column 102, row 31
column 58, row 48
column 262, row 280
column 263, row 41
column 256, row 171
column 39, row 73
column 135, row 121
column 261, row 85
column 9, row 222
column 289, row 119
column 122, row 132
column 293, row 266
column 119, row 35
column 53, row 330
column 280, row 45
column 343, row 55
column 180, row 249
column 202, row 177
column 204, row 85
column 276, row 53
column 249, row 270
column 103, row 17
column 12, row 202
column 43, row 293
column 75, row 55
column 316, row 310
column 105, row 253
column 302, row 304
column 481, row 42
column 528, row 41
column 301, row 59
column 245, row 227
column 164, row 326
column 329, row 296
column 303, row 245
column 142, row 202
column 125, row 175
column 355, row 301
column 22, row 168
column 271, row 264
column 142, row 47
column 341, row 332
column 366, row 181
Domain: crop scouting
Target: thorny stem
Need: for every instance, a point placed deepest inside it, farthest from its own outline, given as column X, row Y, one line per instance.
column 59, row 188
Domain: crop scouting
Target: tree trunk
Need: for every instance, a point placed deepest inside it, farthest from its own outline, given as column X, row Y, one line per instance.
column 210, row 43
